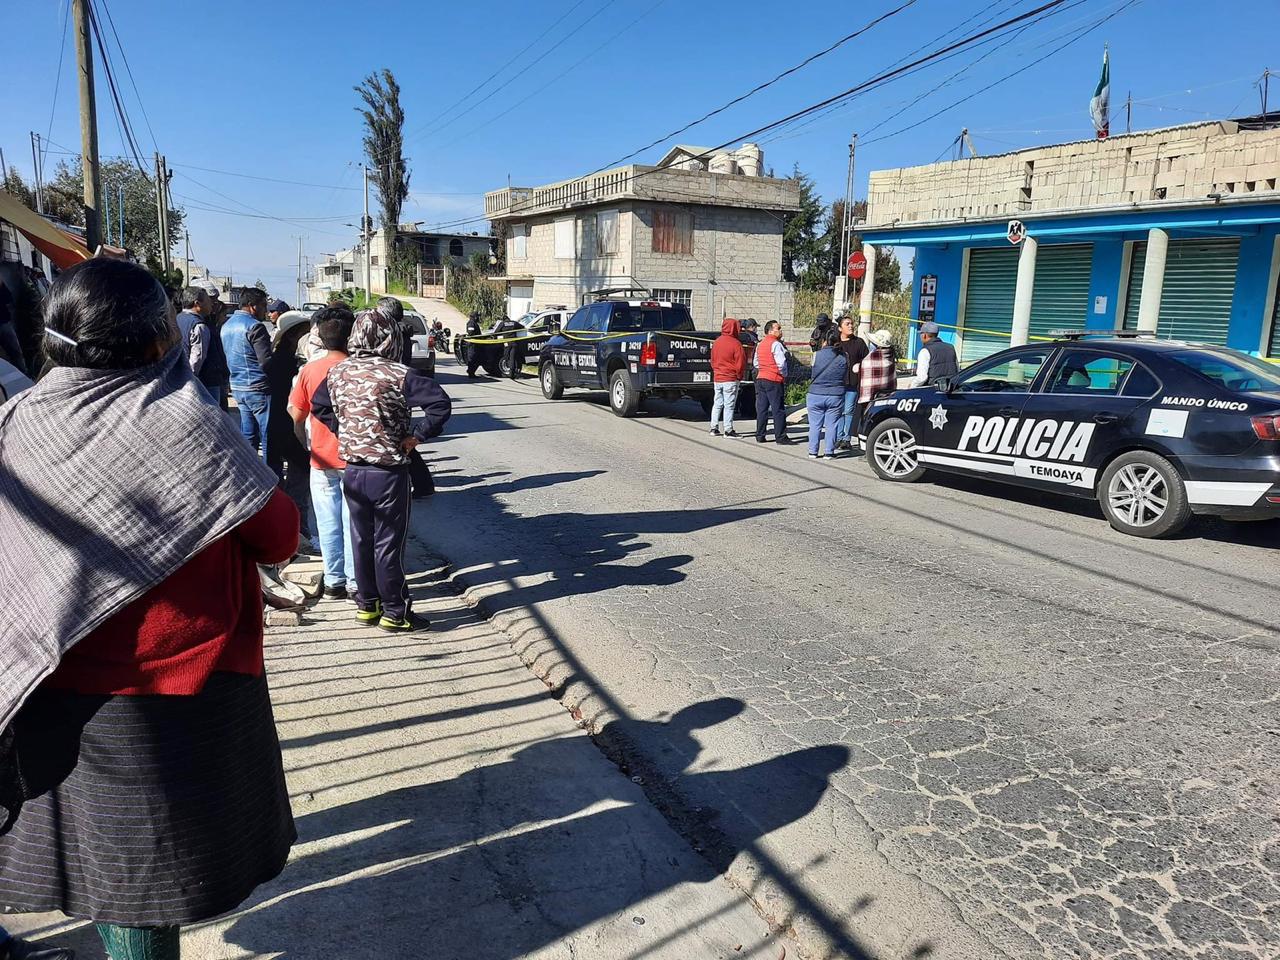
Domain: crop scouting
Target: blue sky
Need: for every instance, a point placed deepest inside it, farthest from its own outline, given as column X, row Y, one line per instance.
column 264, row 88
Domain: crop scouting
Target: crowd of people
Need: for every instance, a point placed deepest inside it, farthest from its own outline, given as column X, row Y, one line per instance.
column 141, row 783
column 848, row 372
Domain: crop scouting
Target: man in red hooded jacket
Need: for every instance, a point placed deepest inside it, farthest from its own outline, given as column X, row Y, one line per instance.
column 728, row 367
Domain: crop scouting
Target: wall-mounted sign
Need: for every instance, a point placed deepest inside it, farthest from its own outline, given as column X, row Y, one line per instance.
column 1017, row 231
column 928, row 298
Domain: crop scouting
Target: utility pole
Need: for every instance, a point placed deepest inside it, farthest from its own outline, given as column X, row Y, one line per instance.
column 4, row 170
column 88, row 126
column 1265, row 83
column 186, row 259
column 842, row 280
column 1128, row 113
column 968, row 142
column 35, row 162
column 298, row 301
column 162, row 210
column 364, row 232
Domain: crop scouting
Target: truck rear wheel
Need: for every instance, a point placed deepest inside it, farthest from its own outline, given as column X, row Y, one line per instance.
column 552, row 388
column 624, row 398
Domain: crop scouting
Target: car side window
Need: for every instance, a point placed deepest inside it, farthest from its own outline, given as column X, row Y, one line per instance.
column 1088, row 373
column 579, row 319
column 1141, row 383
column 1010, row 374
column 599, row 319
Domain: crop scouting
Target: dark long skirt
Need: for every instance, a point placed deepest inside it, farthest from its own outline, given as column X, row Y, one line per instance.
column 147, row 811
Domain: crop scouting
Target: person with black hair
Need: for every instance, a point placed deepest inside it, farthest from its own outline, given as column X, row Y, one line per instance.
column 473, row 349
column 133, row 697
column 818, row 337
column 825, row 397
column 332, row 326
column 246, row 342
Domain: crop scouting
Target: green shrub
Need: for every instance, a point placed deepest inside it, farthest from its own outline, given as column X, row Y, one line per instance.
column 472, row 291
column 795, row 392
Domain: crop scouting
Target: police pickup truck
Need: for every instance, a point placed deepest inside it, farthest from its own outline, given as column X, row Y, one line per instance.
column 1155, row 430
column 633, row 349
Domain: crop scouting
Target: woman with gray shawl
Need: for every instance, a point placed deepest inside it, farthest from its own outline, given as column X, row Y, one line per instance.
column 141, row 785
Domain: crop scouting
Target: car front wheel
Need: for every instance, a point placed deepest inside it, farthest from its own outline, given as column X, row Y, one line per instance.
column 891, row 451
column 1142, row 495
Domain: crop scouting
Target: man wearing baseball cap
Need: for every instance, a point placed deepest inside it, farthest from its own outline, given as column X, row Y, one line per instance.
column 936, row 359
column 274, row 309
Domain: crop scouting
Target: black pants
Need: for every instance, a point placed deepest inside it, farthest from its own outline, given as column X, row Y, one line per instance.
column 379, row 503
column 769, row 401
column 515, row 359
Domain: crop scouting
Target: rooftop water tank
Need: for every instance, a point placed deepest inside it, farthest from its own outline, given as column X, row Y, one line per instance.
column 750, row 159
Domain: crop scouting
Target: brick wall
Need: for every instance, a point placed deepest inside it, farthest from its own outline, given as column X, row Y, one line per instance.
column 1176, row 164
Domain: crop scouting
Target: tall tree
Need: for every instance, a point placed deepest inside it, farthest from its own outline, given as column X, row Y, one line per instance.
column 384, row 143
column 64, row 200
column 800, row 237
column 500, row 230
column 18, row 188
column 888, row 270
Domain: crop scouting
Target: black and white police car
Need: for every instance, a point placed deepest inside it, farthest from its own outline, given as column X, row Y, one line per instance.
column 1155, row 430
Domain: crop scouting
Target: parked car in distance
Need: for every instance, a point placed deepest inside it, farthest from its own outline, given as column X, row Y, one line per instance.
column 312, row 307
column 424, row 343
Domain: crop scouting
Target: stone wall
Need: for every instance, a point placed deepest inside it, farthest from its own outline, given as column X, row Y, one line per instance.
column 1174, row 164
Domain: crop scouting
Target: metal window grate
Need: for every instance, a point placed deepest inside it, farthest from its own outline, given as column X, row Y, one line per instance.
column 684, row 297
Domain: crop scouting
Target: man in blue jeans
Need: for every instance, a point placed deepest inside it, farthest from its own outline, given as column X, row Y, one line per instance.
column 247, row 345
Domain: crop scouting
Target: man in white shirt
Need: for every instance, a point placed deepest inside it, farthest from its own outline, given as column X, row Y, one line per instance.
column 936, row 359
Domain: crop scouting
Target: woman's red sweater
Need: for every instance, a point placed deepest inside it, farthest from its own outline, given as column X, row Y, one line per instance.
column 205, row 616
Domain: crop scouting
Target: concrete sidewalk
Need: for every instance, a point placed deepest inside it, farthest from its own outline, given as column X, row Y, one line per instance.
column 448, row 807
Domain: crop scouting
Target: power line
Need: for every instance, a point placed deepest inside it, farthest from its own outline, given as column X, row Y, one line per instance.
column 768, row 83
column 129, row 70
column 595, row 50
column 495, row 73
column 57, row 77
column 1009, row 76
column 131, row 143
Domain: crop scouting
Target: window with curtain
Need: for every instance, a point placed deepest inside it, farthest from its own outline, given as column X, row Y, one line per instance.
column 606, row 233
column 673, row 232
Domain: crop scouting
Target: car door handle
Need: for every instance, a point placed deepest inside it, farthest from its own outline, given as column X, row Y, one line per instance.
column 1105, row 418
column 1009, row 411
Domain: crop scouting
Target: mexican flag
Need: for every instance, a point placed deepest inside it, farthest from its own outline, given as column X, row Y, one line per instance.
column 1100, row 105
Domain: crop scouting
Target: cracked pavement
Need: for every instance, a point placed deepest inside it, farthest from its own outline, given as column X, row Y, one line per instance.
column 1060, row 741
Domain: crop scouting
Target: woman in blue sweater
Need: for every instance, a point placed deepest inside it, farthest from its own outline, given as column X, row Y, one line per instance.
column 825, row 399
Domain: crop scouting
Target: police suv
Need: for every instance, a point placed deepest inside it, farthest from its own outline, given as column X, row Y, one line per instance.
column 1155, row 430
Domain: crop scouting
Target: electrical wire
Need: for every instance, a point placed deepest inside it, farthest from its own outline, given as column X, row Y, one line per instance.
column 1009, row 76
column 768, row 83
column 495, row 73
column 57, row 78
column 129, row 70
column 131, row 143
column 591, row 53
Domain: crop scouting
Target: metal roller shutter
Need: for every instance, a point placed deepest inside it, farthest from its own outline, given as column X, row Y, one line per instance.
column 1273, row 347
column 1060, row 294
column 1199, row 284
column 988, row 302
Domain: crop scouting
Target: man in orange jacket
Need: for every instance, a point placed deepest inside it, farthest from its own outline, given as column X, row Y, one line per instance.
column 771, row 374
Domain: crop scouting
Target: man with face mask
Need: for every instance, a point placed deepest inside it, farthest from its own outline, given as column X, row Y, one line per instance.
column 366, row 401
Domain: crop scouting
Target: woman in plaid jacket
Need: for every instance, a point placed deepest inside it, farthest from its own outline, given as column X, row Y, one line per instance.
column 879, row 373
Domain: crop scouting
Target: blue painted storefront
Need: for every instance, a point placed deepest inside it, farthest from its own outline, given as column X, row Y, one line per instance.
column 940, row 251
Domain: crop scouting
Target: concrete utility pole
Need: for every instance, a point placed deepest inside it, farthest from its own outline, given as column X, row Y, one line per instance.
column 364, row 233
column 298, row 301
column 846, row 226
column 1262, row 89
column 39, row 175
column 88, row 126
column 186, row 259
column 162, row 228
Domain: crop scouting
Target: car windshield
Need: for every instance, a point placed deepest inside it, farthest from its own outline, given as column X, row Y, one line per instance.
column 626, row 317
column 527, row 319
column 1232, row 370
column 416, row 322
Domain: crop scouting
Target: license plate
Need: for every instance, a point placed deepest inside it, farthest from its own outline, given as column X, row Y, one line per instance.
column 702, row 378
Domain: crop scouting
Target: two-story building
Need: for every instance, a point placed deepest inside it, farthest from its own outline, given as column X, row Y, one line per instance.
column 1175, row 230
column 699, row 228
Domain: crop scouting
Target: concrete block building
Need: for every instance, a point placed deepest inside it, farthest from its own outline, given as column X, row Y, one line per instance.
column 1175, row 230
column 698, row 228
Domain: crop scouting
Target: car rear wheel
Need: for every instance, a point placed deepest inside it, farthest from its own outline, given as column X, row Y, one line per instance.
column 1142, row 495
column 504, row 364
column 552, row 388
column 624, row 399
column 891, row 451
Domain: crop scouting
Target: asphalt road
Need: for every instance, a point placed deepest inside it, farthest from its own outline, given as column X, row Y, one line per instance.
column 949, row 719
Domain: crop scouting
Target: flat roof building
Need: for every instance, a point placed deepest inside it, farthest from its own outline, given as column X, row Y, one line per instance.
column 1175, row 230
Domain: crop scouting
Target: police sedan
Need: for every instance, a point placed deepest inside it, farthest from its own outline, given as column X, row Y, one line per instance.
column 1155, row 430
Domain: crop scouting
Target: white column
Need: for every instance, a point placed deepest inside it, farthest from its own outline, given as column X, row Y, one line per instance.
column 1022, row 293
column 868, row 291
column 1153, row 279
